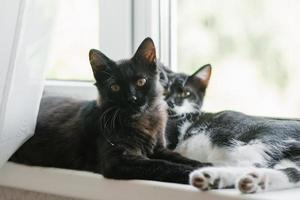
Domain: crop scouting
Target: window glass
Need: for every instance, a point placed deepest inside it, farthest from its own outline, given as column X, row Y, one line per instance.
column 76, row 32
column 254, row 48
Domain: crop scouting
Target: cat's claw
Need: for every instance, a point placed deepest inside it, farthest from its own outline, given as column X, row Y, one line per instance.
column 252, row 182
column 204, row 179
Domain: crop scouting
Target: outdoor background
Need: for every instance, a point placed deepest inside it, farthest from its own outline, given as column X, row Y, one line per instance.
column 76, row 31
column 253, row 46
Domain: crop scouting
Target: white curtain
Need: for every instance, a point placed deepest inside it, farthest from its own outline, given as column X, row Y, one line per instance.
column 25, row 38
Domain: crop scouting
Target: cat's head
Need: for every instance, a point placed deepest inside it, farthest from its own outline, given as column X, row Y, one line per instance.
column 184, row 94
column 130, row 84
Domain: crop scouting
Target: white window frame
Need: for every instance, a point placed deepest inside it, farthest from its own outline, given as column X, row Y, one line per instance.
column 130, row 21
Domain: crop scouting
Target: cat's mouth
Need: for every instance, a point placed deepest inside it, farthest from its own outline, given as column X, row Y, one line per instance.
column 135, row 109
column 173, row 113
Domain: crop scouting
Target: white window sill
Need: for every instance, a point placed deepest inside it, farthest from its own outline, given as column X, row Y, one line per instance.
column 85, row 185
column 84, row 90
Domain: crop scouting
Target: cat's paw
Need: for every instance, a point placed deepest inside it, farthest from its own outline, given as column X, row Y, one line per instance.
column 252, row 182
column 208, row 178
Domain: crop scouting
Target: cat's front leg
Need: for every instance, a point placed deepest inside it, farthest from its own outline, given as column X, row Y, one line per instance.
column 216, row 177
column 264, row 179
column 171, row 156
column 126, row 166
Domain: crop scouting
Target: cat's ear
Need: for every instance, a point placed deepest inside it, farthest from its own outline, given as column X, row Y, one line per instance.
column 201, row 77
column 146, row 51
column 98, row 61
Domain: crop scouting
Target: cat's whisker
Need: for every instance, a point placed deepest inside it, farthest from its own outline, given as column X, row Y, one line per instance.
column 115, row 117
column 112, row 119
column 108, row 120
column 103, row 118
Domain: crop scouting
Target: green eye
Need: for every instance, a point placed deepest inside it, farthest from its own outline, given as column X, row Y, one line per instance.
column 184, row 94
column 115, row 87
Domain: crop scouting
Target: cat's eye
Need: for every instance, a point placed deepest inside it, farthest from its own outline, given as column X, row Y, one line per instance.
column 141, row 82
column 115, row 87
column 184, row 94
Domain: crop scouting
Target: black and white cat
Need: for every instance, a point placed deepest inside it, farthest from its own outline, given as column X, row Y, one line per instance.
column 250, row 153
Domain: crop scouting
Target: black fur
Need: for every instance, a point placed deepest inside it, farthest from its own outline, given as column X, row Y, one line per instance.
column 292, row 173
column 120, row 136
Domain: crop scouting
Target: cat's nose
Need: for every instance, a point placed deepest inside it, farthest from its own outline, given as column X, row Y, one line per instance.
column 132, row 99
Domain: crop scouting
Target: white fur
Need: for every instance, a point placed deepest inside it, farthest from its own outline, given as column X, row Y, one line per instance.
column 197, row 147
column 249, row 154
column 186, row 107
column 235, row 166
column 263, row 179
column 200, row 147
column 204, row 178
column 246, row 179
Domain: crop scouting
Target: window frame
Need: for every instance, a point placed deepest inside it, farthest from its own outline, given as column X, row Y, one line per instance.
column 142, row 18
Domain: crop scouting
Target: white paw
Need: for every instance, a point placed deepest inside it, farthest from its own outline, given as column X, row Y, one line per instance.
column 253, row 182
column 209, row 178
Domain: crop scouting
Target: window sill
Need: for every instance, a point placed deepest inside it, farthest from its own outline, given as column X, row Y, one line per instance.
column 84, row 90
column 69, row 183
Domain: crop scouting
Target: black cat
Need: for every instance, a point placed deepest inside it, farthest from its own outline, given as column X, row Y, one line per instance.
column 255, row 153
column 121, row 135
